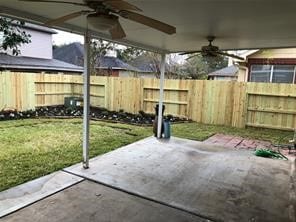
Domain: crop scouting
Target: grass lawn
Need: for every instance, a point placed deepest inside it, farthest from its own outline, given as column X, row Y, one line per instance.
column 33, row 148
column 197, row 131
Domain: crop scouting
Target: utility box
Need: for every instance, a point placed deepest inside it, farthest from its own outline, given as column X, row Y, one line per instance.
column 73, row 102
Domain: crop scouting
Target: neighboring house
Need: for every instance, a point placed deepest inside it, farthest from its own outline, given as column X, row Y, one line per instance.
column 149, row 67
column 271, row 65
column 143, row 66
column 37, row 55
column 229, row 73
column 105, row 66
column 265, row 65
column 30, row 64
column 112, row 66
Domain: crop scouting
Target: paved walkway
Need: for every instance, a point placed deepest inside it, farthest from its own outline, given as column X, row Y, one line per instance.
column 238, row 142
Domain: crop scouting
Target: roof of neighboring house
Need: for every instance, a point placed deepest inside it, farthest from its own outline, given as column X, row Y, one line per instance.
column 146, row 63
column 20, row 62
column 108, row 62
column 74, row 53
column 227, row 71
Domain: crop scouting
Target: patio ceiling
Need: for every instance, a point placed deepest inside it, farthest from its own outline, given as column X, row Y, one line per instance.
column 237, row 24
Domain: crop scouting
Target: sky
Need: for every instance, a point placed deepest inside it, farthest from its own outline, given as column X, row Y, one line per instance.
column 63, row 38
column 66, row 37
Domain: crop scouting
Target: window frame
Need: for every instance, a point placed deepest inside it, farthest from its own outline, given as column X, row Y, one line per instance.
column 272, row 71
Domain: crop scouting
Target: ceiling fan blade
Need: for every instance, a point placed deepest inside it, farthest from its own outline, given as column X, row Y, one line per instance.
column 190, row 57
column 65, row 18
column 48, row 1
column 117, row 31
column 188, row 53
column 229, row 55
column 163, row 27
column 121, row 5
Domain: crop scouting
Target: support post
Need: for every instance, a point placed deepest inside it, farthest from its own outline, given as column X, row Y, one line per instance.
column 161, row 86
column 86, row 99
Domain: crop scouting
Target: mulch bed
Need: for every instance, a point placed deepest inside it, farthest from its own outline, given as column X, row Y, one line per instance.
column 141, row 118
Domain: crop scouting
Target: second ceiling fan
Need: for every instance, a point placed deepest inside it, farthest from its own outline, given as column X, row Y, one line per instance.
column 104, row 15
column 211, row 51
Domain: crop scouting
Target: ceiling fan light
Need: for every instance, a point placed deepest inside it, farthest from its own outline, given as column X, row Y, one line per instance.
column 101, row 22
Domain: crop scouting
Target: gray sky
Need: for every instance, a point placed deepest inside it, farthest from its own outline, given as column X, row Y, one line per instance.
column 66, row 38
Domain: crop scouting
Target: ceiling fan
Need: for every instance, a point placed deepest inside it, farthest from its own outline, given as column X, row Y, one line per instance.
column 211, row 51
column 104, row 15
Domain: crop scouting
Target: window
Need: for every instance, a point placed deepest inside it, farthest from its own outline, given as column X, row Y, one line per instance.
column 283, row 74
column 273, row 73
column 260, row 73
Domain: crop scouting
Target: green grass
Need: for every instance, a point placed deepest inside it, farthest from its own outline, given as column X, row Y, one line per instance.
column 197, row 131
column 33, row 148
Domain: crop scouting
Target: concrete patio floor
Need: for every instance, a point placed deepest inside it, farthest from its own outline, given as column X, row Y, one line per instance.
column 170, row 180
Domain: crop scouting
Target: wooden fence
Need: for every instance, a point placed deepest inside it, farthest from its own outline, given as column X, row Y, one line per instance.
column 234, row 104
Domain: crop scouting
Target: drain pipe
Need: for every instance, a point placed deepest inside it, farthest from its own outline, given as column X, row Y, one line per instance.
column 161, row 89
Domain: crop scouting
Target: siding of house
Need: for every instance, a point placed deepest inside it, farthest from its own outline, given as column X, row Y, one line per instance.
column 274, row 53
column 285, row 56
column 40, row 46
column 225, row 78
column 242, row 75
column 126, row 73
column 146, row 75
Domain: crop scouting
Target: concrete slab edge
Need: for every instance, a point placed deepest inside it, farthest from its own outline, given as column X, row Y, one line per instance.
column 21, row 196
column 292, row 206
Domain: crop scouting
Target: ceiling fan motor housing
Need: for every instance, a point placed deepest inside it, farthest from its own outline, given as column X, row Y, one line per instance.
column 101, row 21
column 210, row 48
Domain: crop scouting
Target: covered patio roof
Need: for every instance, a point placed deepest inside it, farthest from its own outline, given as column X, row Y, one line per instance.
column 237, row 24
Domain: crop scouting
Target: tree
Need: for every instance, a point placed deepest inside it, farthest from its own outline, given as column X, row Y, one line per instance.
column 128, row 53
column 198, row 66
column 150, row 60
column 12, row 35
column 98, row 49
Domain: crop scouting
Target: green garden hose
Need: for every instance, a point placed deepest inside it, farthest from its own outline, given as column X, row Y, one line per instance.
column 267, row 153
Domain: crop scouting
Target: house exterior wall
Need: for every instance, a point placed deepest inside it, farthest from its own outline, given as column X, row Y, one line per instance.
column 40, row 46
column 106, row 72
column 242, row 75
column 146, row 75
column 224, row 78
column 124, row 73
column 274, row 53
column 270, row 57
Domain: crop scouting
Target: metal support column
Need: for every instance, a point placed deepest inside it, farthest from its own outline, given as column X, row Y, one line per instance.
column 161, row 86
column 86, row 99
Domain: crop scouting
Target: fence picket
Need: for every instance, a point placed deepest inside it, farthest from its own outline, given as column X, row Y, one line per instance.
column 234, row 104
